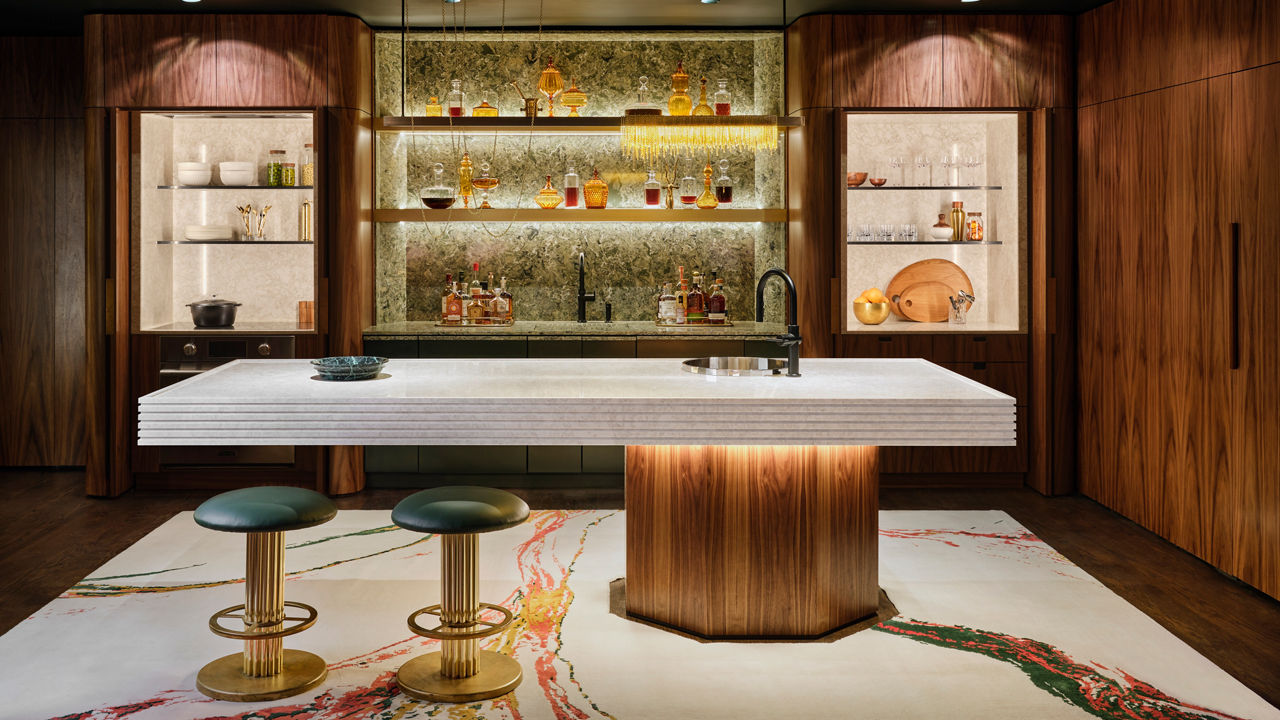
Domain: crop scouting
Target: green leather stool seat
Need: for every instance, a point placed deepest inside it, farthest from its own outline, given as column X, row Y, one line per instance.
column 460, row 509
column 265, row 509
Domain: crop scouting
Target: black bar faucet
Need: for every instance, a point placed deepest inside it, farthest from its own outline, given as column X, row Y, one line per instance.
column 790, row 341
column 584, row 297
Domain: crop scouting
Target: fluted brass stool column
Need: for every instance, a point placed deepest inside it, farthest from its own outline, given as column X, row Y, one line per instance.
column 460, row 671
column 264, row 670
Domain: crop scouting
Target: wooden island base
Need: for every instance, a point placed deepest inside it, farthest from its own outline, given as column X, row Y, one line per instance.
column 749, row 541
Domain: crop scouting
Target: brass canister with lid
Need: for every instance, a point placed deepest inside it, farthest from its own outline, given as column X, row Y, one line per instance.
column 957, row 221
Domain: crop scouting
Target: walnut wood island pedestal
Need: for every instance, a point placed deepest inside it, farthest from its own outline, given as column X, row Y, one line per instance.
column 750, row 501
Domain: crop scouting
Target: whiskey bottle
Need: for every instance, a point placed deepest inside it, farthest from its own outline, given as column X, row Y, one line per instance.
column 502, row 308
column 696, row 303
column 486, row 302
column 682, row 297
column 717, row 305
column 460, row 292
column 475, row 280
column 454, row 306
column 444, row 297
column 475, row 305
column 667, row 306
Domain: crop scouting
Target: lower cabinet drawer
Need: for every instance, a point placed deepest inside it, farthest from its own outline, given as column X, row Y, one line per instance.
column 955, row 460
column 472, row 460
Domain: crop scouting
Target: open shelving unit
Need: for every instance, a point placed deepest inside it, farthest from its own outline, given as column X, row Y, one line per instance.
column 541, row 125
column 882, row 188
column 235, row 242
column 235, row 187
column 523, row 215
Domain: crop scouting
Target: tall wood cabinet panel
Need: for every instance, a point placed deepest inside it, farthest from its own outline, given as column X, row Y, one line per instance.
column 808, row 63
column 887, row 60
column 158, row 60
column 811, row 258
column 1007, row 61
column 272, row 60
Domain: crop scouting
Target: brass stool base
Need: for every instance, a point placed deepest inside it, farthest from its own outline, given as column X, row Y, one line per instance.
column 224, row 679
column 497, row 675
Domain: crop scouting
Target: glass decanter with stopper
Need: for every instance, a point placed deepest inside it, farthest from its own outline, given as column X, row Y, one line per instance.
column 464, row 179
column 486, row 183
column 722, row 98
column 572, row 189
column 438, row 196
column 724, row 184
column 707, row 200
column 652, row 191
column 702, row 108
column 687, row 190
column 456, row 101
column 642, row 104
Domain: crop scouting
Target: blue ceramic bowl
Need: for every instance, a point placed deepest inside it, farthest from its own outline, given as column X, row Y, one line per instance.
column 349, row 367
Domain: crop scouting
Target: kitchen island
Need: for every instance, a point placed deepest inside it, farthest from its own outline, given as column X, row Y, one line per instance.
column 751, row 501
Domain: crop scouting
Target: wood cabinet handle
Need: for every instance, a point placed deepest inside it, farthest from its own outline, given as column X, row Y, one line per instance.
column 1235, row 296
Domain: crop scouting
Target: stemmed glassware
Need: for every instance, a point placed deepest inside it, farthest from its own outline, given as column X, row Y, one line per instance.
column 973, row 162
column 948, row 162
column 896, row 162
column 923, row 163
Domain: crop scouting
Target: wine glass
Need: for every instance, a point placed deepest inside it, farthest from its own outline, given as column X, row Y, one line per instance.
column 923, row 163
column 973, row 162
column 896, row 162
column 948, row 162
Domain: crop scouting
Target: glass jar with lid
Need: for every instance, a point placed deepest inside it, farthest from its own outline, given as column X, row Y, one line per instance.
column 276, row 160
column 977, row 232
column 308, row 166
column 722, row 98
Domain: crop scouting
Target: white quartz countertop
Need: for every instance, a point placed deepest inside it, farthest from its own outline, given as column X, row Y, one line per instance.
column 578, row 402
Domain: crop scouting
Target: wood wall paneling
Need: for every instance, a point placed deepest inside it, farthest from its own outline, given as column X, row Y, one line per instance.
column 94, row 71
column 811, row 250
column 273, row 60
column 750, row 540
column 122, row 417
column 349, row 53
column 67, row 411
column 95, row 384
column 887, row 60
column 808, row 63
column 43, row 77
column 1007, row 61
column 160, row 60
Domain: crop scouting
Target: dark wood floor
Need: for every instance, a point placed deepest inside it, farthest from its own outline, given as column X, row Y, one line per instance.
column 52, row 536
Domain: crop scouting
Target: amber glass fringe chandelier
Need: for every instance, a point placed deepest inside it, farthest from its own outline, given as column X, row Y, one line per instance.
column 653, row 137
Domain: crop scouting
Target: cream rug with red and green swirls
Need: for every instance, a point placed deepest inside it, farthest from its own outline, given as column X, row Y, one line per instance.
column 992, row 624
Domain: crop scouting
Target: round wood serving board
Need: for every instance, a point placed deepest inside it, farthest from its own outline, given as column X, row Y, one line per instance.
column 926, row 301
column 933, row 270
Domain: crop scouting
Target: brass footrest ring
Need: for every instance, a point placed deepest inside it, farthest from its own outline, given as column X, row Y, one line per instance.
column 439, row 633
column 255, row 634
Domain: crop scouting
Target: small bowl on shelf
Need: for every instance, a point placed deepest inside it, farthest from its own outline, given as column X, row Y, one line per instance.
column 194, row 173
column 349, row 367
column 854, row 179
column 877, row 182
column 871, row 313
column 237, row 173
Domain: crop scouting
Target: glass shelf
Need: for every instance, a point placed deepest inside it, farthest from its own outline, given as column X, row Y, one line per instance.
column 519, row 123
column 923, row 242
column 235, row 242
column 720, row 215
column 235, row 187
column 926, row 187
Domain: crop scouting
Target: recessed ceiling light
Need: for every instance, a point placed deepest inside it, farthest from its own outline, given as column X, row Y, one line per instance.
column 191, row 1
column 710, row 2
column 965, row 1
column 453, row 2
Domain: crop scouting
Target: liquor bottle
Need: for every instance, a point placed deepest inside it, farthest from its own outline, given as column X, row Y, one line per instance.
column 667, row 306
column 475, row 305
column 486, row 304
column 724, row 184
column 572, row 188
column 702, row 108
column 454, row 306
column 717, row 305
column 722, row 97
column 696, row 302
column 682, row 297
column 458, row 303
column 490, row 294
column 502, row 308
column 652, row 192
column 444, row 297
column 475, row 280
column 456, row 100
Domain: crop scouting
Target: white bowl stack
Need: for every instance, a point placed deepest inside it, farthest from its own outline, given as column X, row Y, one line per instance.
column 207, row 232
column 194, row 173
column 237, row 173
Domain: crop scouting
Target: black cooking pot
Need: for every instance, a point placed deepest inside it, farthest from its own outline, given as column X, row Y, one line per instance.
column 213, row 313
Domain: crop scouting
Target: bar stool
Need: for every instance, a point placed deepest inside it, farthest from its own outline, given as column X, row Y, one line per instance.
column 459, row 671
column 264, row 670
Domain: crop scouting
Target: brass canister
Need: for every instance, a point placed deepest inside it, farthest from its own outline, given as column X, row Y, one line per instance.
column 957, row 221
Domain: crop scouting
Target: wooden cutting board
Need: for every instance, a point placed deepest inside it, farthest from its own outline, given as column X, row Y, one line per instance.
column 931, row 270
column 926, row 302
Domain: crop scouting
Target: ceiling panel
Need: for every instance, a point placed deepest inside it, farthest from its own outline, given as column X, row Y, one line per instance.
column 54, row 17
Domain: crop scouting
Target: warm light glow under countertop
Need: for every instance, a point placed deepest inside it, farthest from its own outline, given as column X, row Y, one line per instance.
column 552, row 329
column 837, row 401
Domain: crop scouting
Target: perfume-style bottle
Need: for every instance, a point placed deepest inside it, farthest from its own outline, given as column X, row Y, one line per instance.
column 433, row 108
column 721, row 100
column 456, row 101
column 707, row 200
column 464, row 180
column 680, row 103
column 702, row 108
column 486, row 183
column 572, row 189
column 547, row 197
column 642, row 104
column 724, row 184
column 652, row 191
column 596, row 191
column 439, row 196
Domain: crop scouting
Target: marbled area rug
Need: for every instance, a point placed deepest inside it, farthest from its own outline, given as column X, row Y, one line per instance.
column 992, row 624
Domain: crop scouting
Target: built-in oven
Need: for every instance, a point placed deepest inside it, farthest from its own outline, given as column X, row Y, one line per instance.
column 182, row 357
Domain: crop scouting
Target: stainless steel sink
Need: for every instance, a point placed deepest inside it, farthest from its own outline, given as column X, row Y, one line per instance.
column 735, row 366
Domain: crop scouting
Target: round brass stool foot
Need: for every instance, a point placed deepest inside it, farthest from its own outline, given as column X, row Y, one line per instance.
column 497, row 675
column 224, row 679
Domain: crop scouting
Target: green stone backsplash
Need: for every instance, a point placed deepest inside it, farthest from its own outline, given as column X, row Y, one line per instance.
column 626, row 263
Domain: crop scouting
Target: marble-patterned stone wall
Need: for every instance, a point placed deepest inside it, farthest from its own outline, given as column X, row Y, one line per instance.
column 625, row 263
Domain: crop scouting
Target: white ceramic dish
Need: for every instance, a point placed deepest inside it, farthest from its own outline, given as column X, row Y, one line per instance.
column 195, row 177
column 193, row 166
column 207, row 232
